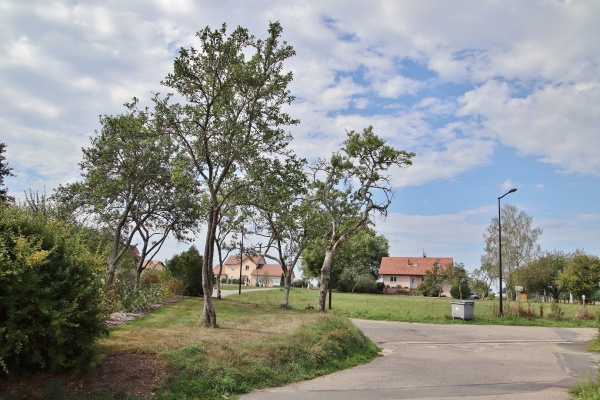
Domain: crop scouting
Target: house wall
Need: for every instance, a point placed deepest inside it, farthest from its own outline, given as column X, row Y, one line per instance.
column 401, row 281
column 233, row 270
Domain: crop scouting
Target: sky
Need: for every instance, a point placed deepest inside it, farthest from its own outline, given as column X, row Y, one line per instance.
column 490, row 96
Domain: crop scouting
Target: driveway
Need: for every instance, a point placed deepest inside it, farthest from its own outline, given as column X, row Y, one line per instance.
column 422, row 361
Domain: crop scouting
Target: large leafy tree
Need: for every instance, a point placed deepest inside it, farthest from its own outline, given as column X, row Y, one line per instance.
column 287, row 216
column 352, row 187
column 187, row 266
column 459, row 279
column 581, row 275
column 356, row 263
column 232, row 121
column 541, row 274
column 519, row 243
column 133, row 186
column 435, row 279
column 5, row 171
column 360, row 266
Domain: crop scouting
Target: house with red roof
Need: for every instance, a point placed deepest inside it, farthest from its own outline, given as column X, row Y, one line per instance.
column 407, row 273
column 254, row 270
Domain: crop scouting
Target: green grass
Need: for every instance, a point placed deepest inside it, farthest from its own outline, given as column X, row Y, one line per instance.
column 431, row 310
column 256, row 346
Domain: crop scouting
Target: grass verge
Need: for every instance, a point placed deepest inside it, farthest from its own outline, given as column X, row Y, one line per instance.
column 256, row 346
column 588, row 389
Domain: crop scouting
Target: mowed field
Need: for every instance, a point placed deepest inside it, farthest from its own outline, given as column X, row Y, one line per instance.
column 432, row 309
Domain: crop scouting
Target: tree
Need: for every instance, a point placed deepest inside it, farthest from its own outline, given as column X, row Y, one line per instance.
column 581, row 275
column 435, row 279
column 232, row 122
column 541, row 274
column 287, row 215
column 481, row 282
column 459, row 278
column 187, row 266
column 351, row 187
column 5, row 170
column 519, row 243
column 355, row 264
column 133, row 185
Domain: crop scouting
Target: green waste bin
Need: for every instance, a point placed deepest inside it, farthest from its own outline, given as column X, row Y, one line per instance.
column 462, row 309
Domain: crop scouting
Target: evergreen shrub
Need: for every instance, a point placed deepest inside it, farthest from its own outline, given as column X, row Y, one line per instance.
column 51, row 303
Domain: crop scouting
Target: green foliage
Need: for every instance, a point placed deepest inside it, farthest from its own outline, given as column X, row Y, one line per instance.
column 581, row 275
column 541, row 275
column 233, row 119
column 462, row 292
column 585, row 390
column 51, row 309
column 332, row 343
column 5, row 170
column 355, row 264
column 459, row 278
column 187, row 266
column 133, row 298
column 435, row 279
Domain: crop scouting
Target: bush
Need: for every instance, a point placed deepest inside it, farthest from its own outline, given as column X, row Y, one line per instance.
column 51, row 308
column 187, row 267
column 465, row 290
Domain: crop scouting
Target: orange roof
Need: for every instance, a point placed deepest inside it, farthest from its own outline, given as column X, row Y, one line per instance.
column 271, row 269
column 412, row 266
column 236, row 259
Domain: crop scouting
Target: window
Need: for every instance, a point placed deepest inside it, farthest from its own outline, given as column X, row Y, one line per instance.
column 422, row 279
column 413, row 280
column 247, row 268
column 416, row 265
column 392, row 279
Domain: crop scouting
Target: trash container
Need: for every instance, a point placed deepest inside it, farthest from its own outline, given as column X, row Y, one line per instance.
column 462, row 309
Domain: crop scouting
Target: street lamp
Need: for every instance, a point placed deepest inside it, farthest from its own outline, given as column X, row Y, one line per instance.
column 500, row 245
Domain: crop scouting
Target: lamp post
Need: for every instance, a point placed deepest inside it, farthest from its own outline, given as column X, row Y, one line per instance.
column 500, row 246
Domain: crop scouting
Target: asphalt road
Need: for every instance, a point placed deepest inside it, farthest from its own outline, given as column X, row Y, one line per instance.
column 422, row 361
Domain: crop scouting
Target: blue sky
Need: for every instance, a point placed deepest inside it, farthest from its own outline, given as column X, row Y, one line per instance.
column 489, row 95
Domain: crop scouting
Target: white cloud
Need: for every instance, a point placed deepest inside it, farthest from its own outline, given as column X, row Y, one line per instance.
column 556, row 123
column 507, row 185
column 486, row 75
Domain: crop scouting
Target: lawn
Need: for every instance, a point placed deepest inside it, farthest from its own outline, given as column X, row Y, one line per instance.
column 432, row 310
column 255, row 346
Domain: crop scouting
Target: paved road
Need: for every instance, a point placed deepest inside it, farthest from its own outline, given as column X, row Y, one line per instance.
column 424, row 361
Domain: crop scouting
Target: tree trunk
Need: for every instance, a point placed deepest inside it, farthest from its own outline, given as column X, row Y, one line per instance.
column 287, row 287
column 110, row 272
column 219, row 286
column 209, row 315
column 112, row 265
column 325, row 272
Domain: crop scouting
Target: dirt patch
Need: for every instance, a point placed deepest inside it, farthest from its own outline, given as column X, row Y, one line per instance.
column 136, row 374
